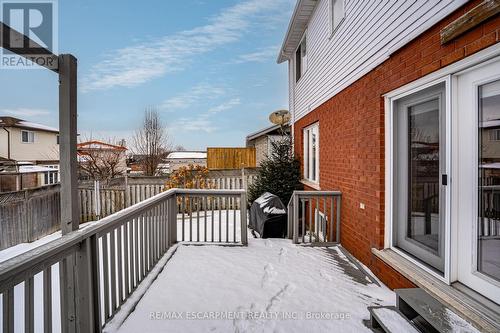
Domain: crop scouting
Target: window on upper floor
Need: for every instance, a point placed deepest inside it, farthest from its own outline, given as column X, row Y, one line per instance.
column 311, row 153
column 337, row 13
column 27, row 136
column 301, row 59
column 495, row 135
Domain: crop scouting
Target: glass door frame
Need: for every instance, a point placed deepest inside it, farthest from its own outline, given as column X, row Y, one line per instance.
column 446, row 74
column 466, row 259
column 391, row 186
column 402, row 173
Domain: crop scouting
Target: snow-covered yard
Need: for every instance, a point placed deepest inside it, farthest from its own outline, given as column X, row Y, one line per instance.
column 269, row 286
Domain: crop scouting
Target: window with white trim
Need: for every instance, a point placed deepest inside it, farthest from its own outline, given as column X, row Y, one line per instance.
column 301, row 59
column 27, row 136
column 494, row 134
column 311, row 153
column 337, row 14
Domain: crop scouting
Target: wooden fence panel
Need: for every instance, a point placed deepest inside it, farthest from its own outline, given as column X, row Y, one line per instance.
column 230, row 158
column 31, row 214
column 28, row 215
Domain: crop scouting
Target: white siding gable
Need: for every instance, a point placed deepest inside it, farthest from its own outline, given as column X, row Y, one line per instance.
column 370, row 32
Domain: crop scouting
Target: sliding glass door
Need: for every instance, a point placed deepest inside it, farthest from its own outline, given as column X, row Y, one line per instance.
column 478, row 179
column 420, row 175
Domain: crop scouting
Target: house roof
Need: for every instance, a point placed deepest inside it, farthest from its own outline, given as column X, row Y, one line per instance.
column 99, row 145
column 298, row 24
column 187, row 155
column 6, row 121
column 264, row 131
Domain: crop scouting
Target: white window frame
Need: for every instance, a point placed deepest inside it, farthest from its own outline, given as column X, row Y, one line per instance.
column 494, row 135
column 303, row 58
column 307, row 160
column 335, row 19
column 31, row 134
column 443, row 75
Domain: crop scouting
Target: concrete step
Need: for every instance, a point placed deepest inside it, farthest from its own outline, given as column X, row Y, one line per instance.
column 389, row 320
column 425, row 311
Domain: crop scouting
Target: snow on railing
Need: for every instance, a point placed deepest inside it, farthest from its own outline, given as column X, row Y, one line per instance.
column 314, row 217
column 108, row 260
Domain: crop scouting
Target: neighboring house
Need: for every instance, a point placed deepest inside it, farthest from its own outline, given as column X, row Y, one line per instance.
column 17, row 176
column 262, row 140
column 178, row 159
column 101, row 159
column 21, row 140
column 29, row 154
column 397, row 113
column 134, row 163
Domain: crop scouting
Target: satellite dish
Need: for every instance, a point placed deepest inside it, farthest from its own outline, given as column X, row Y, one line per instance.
column 280, row 117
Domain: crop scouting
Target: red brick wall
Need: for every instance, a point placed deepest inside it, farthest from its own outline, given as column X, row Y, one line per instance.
column 351, row 126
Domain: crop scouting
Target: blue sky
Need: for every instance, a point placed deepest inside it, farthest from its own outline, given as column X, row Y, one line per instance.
column 208, row 66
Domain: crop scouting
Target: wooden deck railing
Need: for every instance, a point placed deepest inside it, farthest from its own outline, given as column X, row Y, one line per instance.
column 101, row 265
column 314, row 217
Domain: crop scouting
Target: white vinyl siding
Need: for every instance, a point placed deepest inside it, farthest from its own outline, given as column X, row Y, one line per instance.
column 311, row 153
column 369, row 33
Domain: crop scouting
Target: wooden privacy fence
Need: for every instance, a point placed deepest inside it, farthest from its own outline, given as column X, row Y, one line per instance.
column 28, row 215
column 231, row 158
column 112, row 200
column 96, row 269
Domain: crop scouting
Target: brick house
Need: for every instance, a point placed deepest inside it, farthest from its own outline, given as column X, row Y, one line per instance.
column 390, row 102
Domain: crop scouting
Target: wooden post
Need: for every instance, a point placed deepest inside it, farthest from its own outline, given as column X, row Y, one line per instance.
column 295, row 217
column 87, row 287
column 172, row 220
column 67, row 137
column 73, row 290
column 126, row 194
column 243, row 217
column 18, row 182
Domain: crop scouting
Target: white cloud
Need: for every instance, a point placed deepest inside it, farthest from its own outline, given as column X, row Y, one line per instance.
column 224, row 106
column 261, row 55
column 24, row 112
column 205, row 121
column 198, row 93
column 192, row 124
column 134, row 65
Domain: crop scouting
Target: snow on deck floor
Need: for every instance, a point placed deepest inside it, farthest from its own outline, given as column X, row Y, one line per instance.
column 307, row 289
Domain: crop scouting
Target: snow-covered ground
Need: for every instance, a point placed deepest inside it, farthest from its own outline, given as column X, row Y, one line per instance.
column 38, row 289
column 269, row 286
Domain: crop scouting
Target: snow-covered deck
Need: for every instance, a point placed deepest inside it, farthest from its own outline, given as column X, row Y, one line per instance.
column 269, row 286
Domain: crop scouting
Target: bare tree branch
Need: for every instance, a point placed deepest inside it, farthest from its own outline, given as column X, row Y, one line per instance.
column 101, row 162
column 151, row 141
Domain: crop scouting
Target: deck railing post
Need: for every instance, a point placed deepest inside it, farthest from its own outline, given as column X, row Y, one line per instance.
column 295, row 218
column 339, row 205
column 243, row 210
column 289, row 211
column 87, row 296
column 172, row 220
column 68, row 138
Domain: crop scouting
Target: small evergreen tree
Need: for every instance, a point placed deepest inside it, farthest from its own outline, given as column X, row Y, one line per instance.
column 279, row 174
